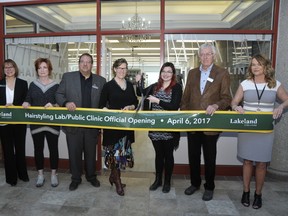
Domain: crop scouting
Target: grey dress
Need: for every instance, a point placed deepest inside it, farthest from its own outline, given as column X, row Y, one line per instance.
column 257, row 146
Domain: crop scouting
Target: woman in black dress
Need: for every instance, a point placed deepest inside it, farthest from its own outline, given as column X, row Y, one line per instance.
column 118, row 94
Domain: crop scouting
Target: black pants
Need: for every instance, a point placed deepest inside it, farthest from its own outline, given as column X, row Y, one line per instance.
column 164, row 158
column 52, row 141
column 84, row 140
column 13, row 145
column 209, row 145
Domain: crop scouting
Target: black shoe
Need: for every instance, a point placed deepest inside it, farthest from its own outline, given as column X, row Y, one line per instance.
column 155, row 185
column 190, row 190
column 166, row 188
column 245, row 199
column 257, row 204
column 95, row 183
column 13, row 184
column 208, row 195
column 26, row 179
column 73, row 185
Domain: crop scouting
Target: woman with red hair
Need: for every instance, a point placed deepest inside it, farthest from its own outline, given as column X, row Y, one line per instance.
column 166, row 94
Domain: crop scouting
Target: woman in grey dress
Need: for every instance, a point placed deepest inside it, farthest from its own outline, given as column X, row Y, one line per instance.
column 258, row 94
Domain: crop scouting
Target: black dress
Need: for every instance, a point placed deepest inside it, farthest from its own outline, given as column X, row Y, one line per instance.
column 114, row 97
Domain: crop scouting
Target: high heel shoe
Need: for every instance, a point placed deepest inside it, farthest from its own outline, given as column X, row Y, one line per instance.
column 111, row 180
column 245, row 199
column 257, row 203
column 117, row 181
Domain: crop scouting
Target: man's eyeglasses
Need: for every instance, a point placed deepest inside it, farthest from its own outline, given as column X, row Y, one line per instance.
column 85, row 62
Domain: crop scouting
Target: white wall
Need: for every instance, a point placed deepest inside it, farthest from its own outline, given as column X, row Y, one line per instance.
column 62, row 146
column 226, row 150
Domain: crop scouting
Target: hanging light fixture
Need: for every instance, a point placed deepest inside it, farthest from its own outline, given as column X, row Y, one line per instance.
column 136, row 22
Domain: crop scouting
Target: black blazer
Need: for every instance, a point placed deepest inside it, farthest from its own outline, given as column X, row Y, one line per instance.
column 20, row 92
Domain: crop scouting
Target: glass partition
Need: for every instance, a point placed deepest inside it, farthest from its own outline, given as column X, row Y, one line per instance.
column 63, row 52
column 143, row 56
column 234, row 52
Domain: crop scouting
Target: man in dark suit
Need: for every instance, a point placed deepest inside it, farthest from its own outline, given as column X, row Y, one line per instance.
column 81, row 89
column 207, row 88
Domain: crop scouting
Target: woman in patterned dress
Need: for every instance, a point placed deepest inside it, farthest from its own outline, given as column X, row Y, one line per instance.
column 166, row 94
column 259, row 93
column 118, row 94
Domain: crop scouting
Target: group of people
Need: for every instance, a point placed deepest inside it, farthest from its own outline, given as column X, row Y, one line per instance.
column 207, row 88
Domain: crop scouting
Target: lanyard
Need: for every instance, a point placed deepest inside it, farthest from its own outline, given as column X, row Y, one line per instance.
column 259, row 96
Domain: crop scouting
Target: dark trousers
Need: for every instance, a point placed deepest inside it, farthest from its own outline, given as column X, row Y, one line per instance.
column 82, row 141
column 209, row 146
column 52, row 141
column 164, row 158
column 13, row 144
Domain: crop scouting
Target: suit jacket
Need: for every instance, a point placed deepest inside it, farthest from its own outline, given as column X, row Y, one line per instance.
column 20, row 92
column 69, row 90
column 216, row 92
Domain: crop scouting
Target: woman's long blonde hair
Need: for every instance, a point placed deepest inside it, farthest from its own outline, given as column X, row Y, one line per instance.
column 269, row 72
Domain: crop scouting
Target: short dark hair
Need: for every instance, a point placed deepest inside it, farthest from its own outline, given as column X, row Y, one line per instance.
column 86, row 54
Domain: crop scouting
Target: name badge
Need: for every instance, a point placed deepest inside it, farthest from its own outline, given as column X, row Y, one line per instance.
column 210, row 79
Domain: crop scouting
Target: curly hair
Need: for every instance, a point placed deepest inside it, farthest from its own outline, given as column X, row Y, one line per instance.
column 269, row 72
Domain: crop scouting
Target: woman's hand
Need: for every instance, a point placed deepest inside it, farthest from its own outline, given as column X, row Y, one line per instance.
column 26, row 105
column 129, row 107
column 277, row 112
column 153, row 99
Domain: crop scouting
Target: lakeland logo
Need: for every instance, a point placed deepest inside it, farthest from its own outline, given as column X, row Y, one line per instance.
column 246, row 122
column 7, row 115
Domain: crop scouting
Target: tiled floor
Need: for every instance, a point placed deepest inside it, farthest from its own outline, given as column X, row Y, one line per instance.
column 25, row 199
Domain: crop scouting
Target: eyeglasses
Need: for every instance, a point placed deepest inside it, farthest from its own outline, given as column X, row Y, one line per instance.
column 206, row 54
column 85, row 62
column 167, row 72
column 6, row 68
column 120, row 68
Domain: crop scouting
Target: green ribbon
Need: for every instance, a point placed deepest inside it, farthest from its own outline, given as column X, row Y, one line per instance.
column 261, row 122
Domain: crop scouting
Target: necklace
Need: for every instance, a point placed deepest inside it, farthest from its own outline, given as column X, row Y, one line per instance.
column 122, row 84
column 259, row 96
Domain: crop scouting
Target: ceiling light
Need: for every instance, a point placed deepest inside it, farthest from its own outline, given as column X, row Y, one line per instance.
column 136, row 22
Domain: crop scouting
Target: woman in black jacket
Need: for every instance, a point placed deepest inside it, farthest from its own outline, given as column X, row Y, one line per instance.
column 13, row 136
column 164, row 95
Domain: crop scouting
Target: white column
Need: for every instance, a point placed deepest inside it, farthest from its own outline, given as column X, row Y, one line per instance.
column 279, row 164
